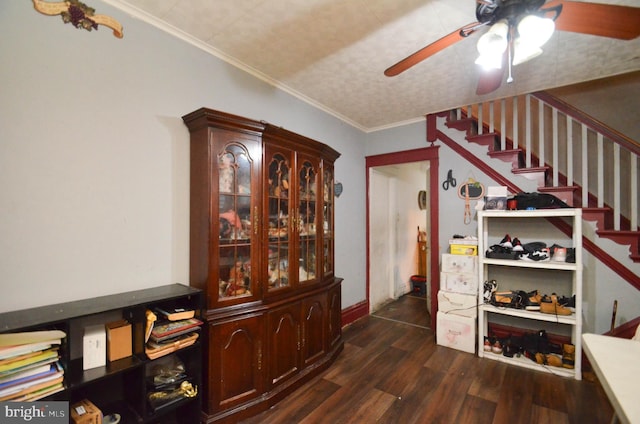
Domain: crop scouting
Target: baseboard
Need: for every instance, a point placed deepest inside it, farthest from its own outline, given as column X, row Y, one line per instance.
column 355, row 312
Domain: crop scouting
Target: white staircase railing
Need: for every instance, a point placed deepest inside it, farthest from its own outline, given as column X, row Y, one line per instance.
column 600, row 163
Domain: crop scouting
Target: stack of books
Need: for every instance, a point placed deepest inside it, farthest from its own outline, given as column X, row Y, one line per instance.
column 174, row 329
column 30, row 366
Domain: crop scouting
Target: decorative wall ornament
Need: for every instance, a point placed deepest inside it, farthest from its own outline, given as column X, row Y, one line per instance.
column 337, row 189
column 78, row 14
column 470, row 190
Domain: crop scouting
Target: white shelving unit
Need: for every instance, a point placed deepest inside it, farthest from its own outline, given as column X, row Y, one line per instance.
column 526, row 222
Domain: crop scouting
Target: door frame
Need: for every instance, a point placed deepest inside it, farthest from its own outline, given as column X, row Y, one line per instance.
column 430, row 154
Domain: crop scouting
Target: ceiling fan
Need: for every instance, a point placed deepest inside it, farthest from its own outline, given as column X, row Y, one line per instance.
column 518, row 28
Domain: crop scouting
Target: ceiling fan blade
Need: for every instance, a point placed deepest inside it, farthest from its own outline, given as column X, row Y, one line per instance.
column 430, row 50
column 605, row 20
column 490, row 80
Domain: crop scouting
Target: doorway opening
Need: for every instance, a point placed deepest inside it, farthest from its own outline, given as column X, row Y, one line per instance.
column 398, row 209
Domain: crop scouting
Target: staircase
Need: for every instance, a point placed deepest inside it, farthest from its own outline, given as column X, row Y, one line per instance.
column 563, row 152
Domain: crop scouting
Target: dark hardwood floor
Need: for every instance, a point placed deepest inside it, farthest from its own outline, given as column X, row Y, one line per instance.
column 391, row 371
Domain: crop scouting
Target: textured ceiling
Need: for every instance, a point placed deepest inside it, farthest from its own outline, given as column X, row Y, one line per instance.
column 332, row 53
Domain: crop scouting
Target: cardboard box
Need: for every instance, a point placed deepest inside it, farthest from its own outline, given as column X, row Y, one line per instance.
column 456, row 332
column 458, row 303
column 94, row 347
column 459, row 263
column 468, row 240
column 459, row 282
column 85, row 412
column 463, row 249
column 118, row 340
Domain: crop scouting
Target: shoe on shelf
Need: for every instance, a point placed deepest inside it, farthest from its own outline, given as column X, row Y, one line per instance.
column 571, row 255
column 490, row 287
column 513, row 346
column 531, row 300
column 517, row 245
column 550, row 305
column 548, row 359
column 496, row 347
column 535, row 251
column 506, row 242
column 507, row 299
column 569, row 302
column 568, row 355
column 535, row 256
column 487, row 344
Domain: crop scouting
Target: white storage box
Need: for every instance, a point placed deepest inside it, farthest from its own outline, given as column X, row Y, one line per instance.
column 94, row 347
column 459, row 263
column 458, row 303
column 459, row 282
column 456, row 332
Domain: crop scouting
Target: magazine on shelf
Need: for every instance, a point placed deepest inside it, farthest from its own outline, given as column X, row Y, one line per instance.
column 42, row 371
column 28, row 361
column 175, row 314
column 155, row 350
column 170, row 329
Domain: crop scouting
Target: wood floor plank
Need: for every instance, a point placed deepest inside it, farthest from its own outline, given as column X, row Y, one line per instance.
column 374, row 406
column 307, row 399
column 408, row 309
column 412, row 338
column 542, row 415
column 415, row 398
column 475, row 410
column 587, row 402
column 516, row 397
column 404, row 374
column 447, row 399
column 488, row 380
column 549, row 392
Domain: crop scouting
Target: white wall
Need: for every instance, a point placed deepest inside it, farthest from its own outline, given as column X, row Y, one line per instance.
column 94, row 157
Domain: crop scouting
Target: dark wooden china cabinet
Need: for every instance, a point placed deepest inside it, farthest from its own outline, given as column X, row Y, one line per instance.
column 262, row 250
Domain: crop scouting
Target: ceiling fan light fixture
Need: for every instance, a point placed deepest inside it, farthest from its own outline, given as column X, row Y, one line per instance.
column 494, row 41
column 492, row 45
column 490, row 61
column 535, row 30
column 523, row 51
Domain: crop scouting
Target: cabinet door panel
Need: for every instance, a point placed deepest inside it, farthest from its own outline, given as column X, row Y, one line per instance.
column 307, row 217
column 314, row 328
column 335, row 316
column 237, row 223
column 328, row 243
column 278, row 219
column 284, row 334
column 235, row 369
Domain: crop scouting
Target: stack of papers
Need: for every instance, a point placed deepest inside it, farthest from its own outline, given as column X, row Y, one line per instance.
column 30, row 366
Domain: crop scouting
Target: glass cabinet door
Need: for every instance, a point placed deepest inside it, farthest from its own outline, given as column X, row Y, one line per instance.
column 237, row 222
column 327, row 220
column 278, row 220
column 307, row 218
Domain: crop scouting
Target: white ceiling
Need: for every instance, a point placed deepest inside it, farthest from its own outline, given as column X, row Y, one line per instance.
column 332, row 53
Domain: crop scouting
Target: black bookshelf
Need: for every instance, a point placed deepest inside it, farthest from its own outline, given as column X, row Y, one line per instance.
column 119, row 386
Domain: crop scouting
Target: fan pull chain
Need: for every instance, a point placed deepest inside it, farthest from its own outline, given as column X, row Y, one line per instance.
column 509, row 77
